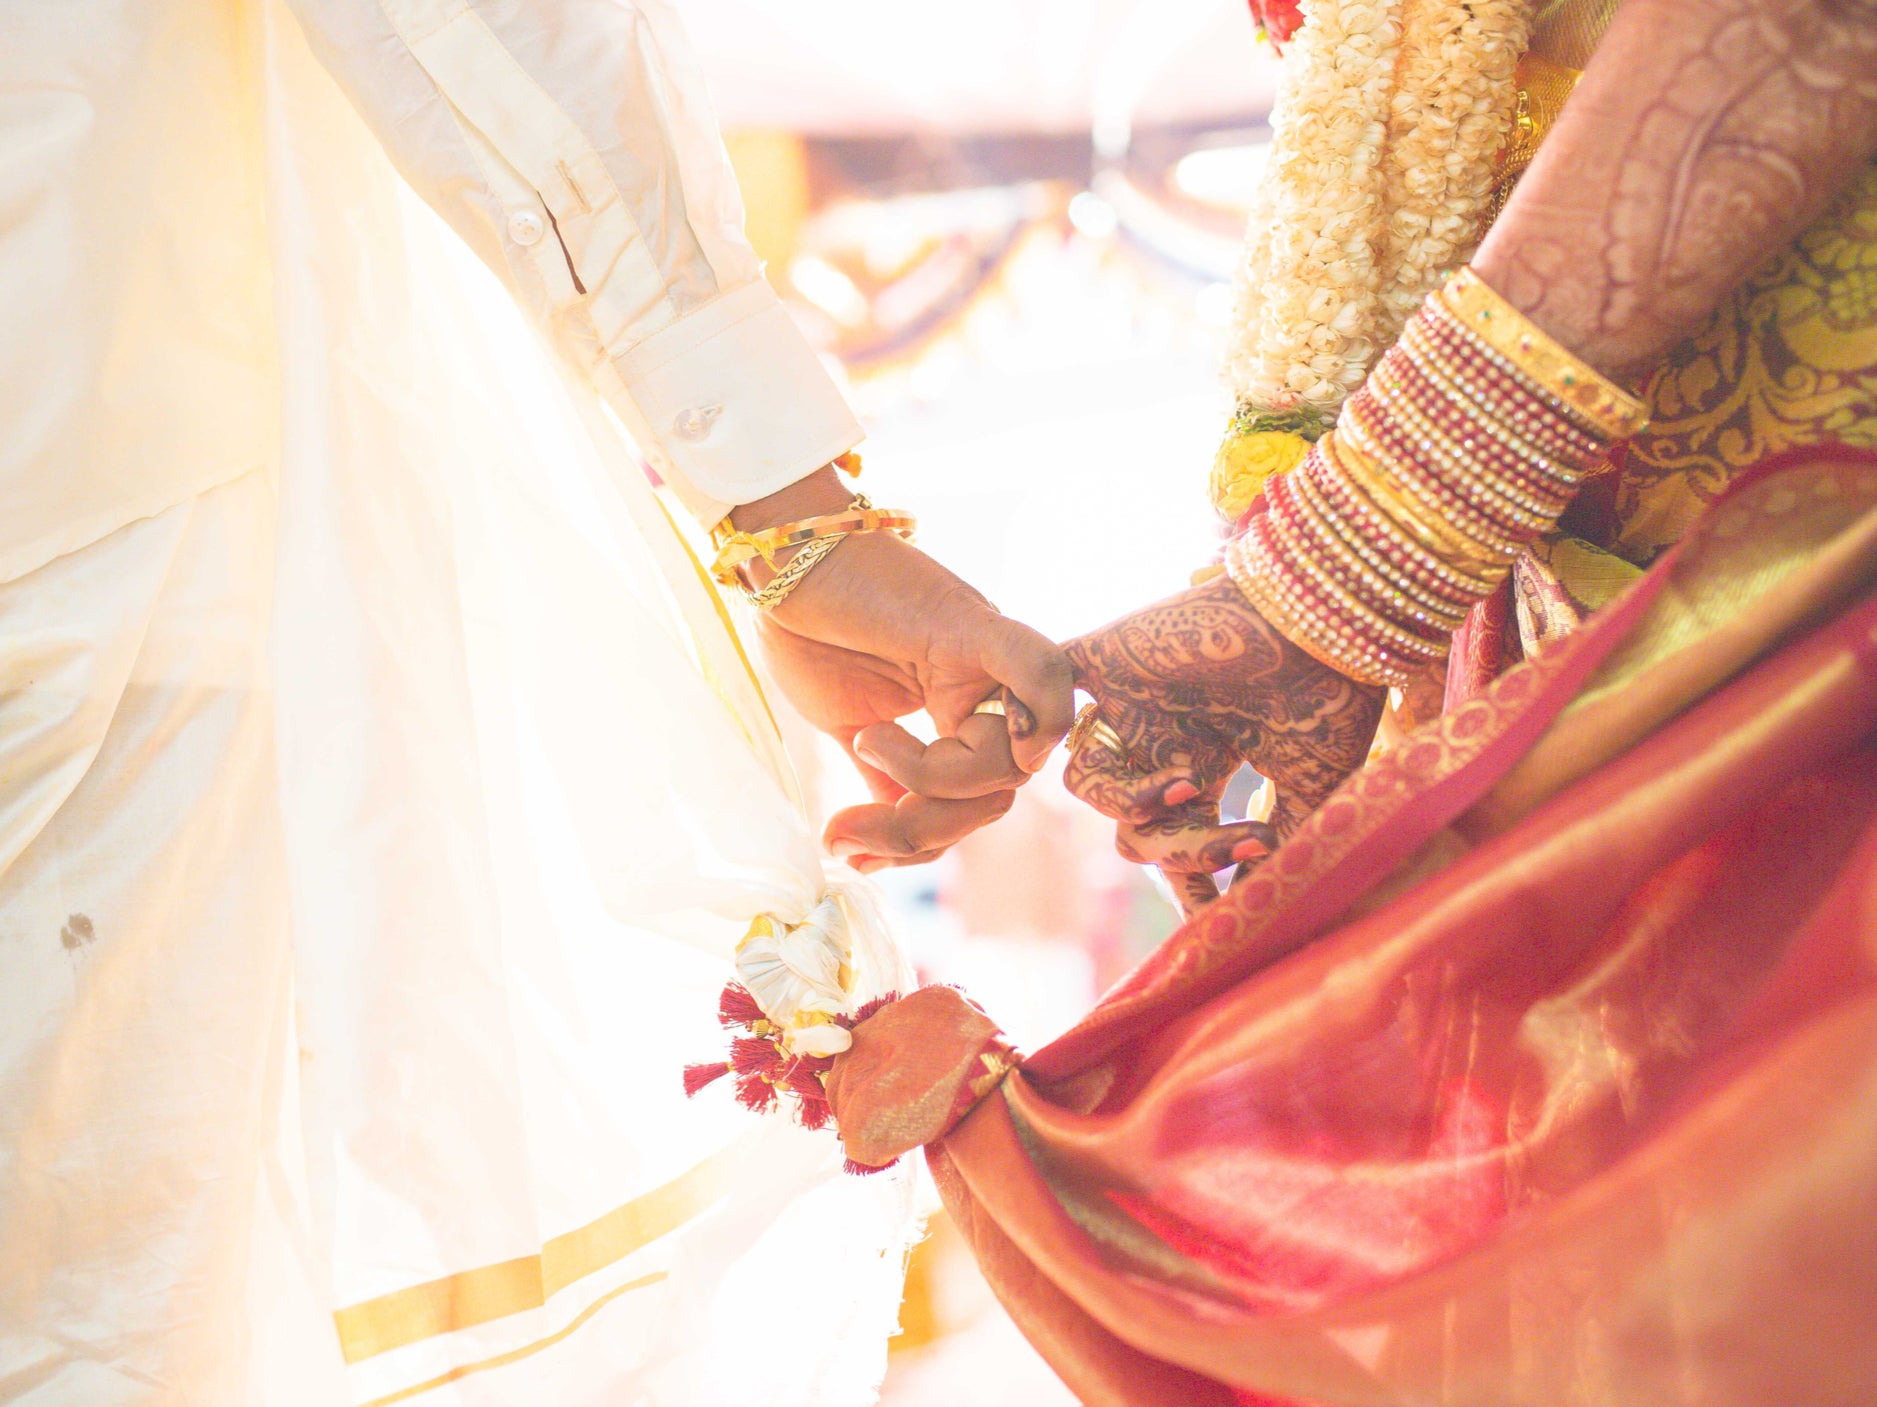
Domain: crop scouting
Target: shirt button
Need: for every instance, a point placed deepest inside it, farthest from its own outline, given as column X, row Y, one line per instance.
column 525, row 227
column 694, row 424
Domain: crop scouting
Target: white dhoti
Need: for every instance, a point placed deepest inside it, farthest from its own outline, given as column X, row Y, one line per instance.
column 375, row 829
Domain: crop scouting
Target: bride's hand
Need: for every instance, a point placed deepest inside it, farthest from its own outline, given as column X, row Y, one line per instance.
column 1188, row 689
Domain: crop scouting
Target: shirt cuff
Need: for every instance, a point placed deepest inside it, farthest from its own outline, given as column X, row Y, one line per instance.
column 731, row 404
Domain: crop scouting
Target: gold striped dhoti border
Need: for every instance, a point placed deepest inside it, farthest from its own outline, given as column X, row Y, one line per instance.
column 489, row 1292
column 502, row 1360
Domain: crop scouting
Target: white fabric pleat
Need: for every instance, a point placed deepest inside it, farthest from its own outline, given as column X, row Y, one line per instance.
column 376, row 830
column 532, row 798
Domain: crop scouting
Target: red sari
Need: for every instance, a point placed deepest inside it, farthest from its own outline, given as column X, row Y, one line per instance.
column 1539, row 1067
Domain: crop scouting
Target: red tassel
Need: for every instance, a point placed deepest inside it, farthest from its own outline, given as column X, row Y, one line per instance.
column 697, row 1076
column 755, row 1093
column 868, row 1010
column 736, row 1007
column 805, row 1085
column 754, row 1055
column 764, row 1070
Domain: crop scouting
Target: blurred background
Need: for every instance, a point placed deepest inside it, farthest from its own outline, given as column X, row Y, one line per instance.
column 1010, row 227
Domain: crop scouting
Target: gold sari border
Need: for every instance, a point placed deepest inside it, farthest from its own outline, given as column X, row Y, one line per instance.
column 489, row 1292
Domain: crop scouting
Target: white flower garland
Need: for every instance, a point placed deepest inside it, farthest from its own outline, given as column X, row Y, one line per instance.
column 1453, row 109
column 1307, row 288
column 1383, row 144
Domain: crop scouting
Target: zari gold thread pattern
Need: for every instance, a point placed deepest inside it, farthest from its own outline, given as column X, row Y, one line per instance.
column 1789, row 361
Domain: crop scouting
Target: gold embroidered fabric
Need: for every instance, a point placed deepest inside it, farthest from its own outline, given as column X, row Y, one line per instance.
column 1567, row 32
column 1542, row 88
column 1789, row 361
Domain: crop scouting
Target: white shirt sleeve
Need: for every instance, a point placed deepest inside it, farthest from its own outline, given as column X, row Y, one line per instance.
column 572, row 143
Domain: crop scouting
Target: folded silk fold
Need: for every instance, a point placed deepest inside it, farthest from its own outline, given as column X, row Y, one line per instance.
column 1537, row 1068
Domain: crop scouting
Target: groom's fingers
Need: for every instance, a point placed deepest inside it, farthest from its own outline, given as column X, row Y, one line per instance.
column 916, row 825
column 1030, row 666
column 880, row 786
column 975, row 762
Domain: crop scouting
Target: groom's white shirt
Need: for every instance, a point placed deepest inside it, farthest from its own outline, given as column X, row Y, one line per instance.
column 570, row 142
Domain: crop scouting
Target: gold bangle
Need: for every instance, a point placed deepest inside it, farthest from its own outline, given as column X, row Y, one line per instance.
column 1376, row 624
column 794, row 572
column 737, row 549
column 1447, row 499
column 1374, row 576
column 1604, row 406
column 1452, row 547
column 1410, row 543
column 1393, row 539
column 1363, row 666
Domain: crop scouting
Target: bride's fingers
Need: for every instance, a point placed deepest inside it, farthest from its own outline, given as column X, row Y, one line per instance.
column 1193, row 891
column 974, row 762
column 1194, row 845
column 1097, row 774
column 1122, row 795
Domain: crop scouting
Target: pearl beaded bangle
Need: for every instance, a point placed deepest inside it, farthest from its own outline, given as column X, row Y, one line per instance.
column 1467, row 442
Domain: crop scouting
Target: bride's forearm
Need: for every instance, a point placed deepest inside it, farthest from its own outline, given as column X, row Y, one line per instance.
column 1704, row 136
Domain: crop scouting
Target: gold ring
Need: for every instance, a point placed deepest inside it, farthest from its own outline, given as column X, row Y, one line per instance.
column 1099, row 732
column 994, row 704
column 1079, row 728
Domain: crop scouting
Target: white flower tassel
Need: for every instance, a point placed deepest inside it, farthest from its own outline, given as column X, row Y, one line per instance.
column 804, row 974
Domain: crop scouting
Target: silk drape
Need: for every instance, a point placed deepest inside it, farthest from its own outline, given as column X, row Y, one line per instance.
column 1539, row 1068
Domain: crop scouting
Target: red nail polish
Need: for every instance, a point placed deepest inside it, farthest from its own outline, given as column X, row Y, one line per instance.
column 1248, row 850
column 1180, row 793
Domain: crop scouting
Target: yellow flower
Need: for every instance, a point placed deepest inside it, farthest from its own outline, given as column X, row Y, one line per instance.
column 1245, row 462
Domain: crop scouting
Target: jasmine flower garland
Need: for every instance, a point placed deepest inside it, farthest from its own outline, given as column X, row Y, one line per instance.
column 1387, row 127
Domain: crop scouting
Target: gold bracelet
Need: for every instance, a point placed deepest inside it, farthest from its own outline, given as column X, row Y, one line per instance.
column 1450, row 544
column 736, row 549
column 1449, row 500
column 1410, row 543
column 1355, row 659
column 794, row 572
column 1604, row 406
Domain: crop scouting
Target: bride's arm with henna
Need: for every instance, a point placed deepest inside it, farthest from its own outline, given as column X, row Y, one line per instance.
column 1704, row 136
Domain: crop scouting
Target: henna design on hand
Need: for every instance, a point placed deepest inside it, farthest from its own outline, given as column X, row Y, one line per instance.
column 1705, row 135
column 1193, row 686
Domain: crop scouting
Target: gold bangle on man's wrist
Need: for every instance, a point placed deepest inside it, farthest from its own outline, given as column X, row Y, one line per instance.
column 735, row 548
column 810, row 539
column 794, row 571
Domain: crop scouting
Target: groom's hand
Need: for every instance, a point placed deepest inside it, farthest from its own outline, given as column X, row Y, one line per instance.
column 879, row 630
column 1187, row 690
